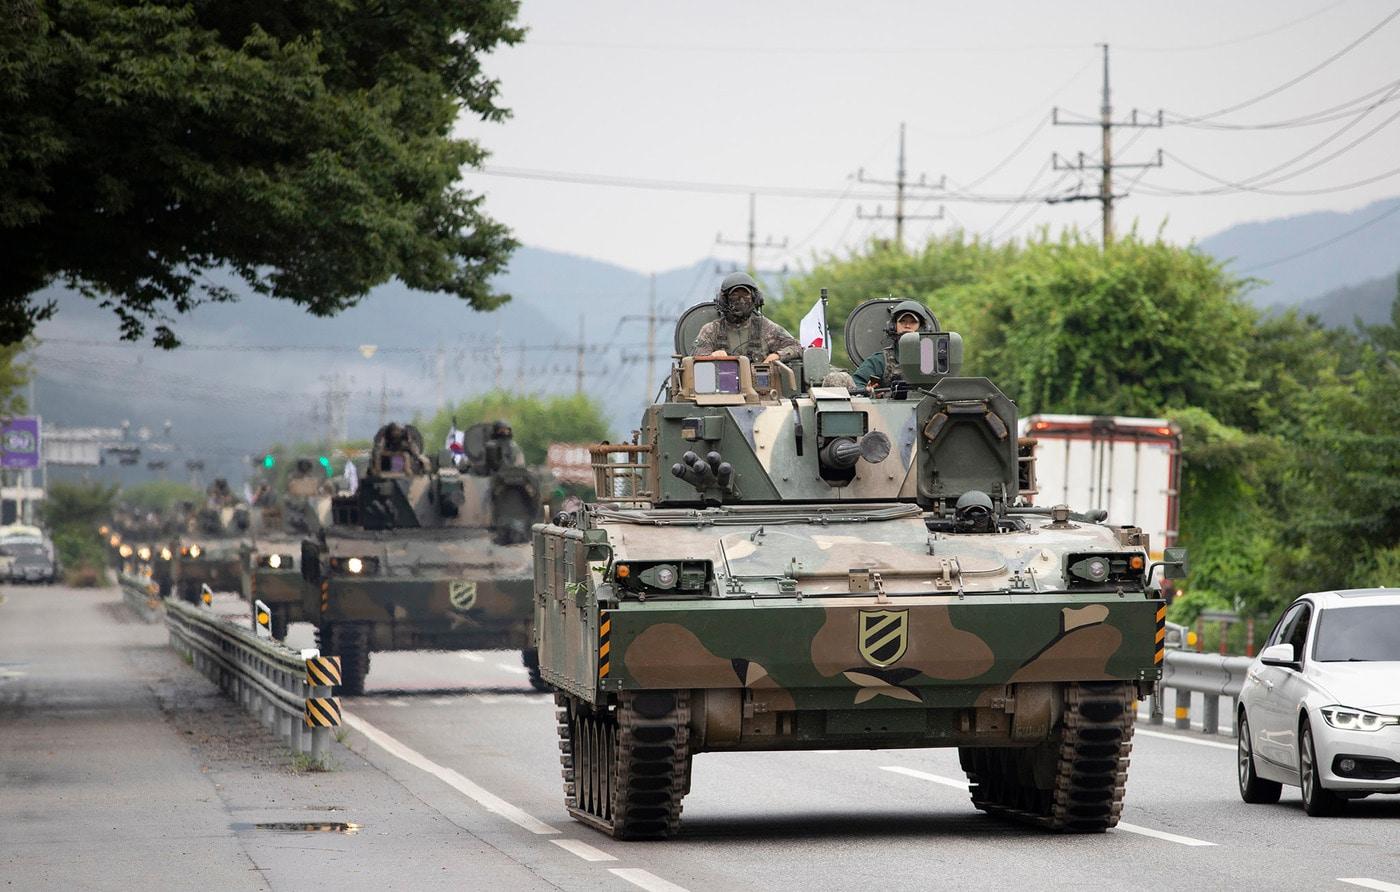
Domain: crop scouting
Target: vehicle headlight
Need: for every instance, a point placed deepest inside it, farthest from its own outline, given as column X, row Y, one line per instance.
column 165, row 554
column 355, row 566
column 195, row 551
column 274, row 561
column 1349, row 719
column 124, row 551
column 144, row 553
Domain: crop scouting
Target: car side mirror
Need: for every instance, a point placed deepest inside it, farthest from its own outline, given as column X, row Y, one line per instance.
column 1279, row 655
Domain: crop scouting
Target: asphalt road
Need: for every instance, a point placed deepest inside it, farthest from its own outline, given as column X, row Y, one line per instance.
column 459, row 787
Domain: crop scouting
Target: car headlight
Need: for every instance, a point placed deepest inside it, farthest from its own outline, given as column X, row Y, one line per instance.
column 124, row 551
column 165, row 554
column 195, row 551
column 1349, row 719
column 279, row 562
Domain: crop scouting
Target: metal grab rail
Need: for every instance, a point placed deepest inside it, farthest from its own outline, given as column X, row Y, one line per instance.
column 1210, row 675
column 269, row 679
column 141, row 594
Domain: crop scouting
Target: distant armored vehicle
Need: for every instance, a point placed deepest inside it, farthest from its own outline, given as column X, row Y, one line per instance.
column 776, row 564
column 425, row 554
column 207, row 550
column 271, row 554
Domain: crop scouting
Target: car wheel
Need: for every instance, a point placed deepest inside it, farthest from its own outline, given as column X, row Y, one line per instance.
column 1253, row 789
column 1317, row 800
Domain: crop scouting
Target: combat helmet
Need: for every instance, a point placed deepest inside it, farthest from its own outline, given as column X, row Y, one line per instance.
column 927, row 321
column 731, row 282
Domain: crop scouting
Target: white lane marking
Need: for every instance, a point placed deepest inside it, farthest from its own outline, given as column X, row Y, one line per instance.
column 583, row 850
column 1131, row 828
column 1182, row 738
column 486, row 799
column 1367, row 883
column 445, row 701
column 510, row 667
column 1162, row 834
column 923, row 775
column 475, row 658
column 645, row 879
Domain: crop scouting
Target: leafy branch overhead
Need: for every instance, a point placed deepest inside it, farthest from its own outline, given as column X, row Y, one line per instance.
column 151, row 150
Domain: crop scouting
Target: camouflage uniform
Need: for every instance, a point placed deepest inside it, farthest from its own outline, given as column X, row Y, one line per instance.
column 755, row 337
column 877, row 367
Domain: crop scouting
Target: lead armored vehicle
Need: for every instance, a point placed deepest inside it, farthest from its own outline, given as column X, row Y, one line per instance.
column 271, row 554
column 426, row 553
column 776, row 564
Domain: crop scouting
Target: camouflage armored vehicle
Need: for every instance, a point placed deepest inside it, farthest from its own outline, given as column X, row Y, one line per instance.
column 776, row 564
column 271, row 554
column 425, row 554
column 206, row 552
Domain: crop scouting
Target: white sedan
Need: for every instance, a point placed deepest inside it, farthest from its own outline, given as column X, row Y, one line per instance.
column 1320, row 708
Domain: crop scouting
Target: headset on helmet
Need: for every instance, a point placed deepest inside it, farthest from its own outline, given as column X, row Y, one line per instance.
column 732, row 281
column 927, row 321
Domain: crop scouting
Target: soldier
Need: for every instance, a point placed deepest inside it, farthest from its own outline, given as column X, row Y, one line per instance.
column 501, row 451
column 882, row 369
column 397, row 448
column 741, row 330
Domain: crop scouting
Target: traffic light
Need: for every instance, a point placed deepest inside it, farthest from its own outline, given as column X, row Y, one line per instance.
column 325, row 461
column 269, row 460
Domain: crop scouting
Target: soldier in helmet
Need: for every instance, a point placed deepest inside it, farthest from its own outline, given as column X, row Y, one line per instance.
column 501, row 451
column 882, row 369
column 741, row 330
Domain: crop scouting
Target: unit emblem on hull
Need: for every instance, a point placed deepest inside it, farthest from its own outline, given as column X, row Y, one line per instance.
column 882, row 636
column 462, row 594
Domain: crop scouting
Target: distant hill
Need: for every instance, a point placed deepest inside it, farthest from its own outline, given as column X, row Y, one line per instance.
column 1341, row 307
column 1367, row 254
column 260, row 371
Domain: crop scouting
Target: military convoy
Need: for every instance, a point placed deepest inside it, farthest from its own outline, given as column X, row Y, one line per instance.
column 270, row 556
column 206, row 549
column 425, row 553
column 777, row 563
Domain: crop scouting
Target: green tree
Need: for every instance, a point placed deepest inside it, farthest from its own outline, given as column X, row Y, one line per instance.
column 537, row 421
column 159, row 495
column 72, row 512
column 304, row 147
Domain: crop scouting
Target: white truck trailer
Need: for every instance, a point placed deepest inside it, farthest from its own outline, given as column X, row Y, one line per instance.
column 1130, row 467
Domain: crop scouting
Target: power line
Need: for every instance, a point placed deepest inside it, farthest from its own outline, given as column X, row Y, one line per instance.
column 900, row 184
column 1236, row 40
column 1300, row 78
column 752, row 242
column 1321, row 116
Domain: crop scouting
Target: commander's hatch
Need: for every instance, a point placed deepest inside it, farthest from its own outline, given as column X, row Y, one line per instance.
column 865, row 327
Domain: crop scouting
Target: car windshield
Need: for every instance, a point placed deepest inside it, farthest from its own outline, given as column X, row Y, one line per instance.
column 1359, row 633
column 25, row 549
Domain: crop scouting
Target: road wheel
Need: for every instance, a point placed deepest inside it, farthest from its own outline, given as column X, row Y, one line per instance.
column 530, row 657
column 1253, row 789
column 1317, row 800
column 350, row 642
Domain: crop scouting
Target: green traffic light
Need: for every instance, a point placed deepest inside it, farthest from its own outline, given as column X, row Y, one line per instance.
column 326, row 463
column 269, row 460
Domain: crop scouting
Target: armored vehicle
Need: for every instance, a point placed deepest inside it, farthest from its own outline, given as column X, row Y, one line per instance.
column 206, row 552
column 425, row 553
column 779, row 564
column 270, row 556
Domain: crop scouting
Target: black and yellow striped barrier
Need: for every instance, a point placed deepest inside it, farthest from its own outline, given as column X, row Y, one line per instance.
column 1161, row 654
column 322, row 712
column 323, row 671
column 604, row 643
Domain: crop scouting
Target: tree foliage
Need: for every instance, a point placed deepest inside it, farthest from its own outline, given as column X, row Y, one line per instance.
column 305, row 147
column 72, row 513
column 159, row 495
column 537, row 421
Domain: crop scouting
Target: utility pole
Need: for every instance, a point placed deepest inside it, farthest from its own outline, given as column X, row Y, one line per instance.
column 901, row 184
column 1106, row 124
column 751, row 242
column 496, row 354
column 383, row 398
column 579, row 351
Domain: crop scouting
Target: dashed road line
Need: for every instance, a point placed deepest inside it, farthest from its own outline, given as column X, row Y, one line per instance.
column 924, row 775
column 475, row 658
column 645, row 879
column 1182, row 738
column 511, row 667
column 486, row 799
column 1122, row 825
column 583, row 850
column 1162, row 834
column 1367, row 883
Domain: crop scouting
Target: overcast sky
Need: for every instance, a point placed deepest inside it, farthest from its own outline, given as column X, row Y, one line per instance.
column 800, row 95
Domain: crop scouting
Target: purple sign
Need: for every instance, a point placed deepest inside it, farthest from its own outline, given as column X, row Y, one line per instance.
column 19, row 443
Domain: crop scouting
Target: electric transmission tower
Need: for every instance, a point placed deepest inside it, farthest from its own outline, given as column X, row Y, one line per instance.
column 752, row 242
column 901, row 185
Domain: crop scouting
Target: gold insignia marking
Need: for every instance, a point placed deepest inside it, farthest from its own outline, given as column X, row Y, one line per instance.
column 882, row 636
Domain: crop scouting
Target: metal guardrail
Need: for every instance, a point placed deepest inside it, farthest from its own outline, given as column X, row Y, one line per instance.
column 288, row 691
column 1210, row 675
column 141, row 594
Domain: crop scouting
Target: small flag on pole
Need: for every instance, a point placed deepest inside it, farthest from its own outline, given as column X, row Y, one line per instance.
column 456, row 444
column 813, row 332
